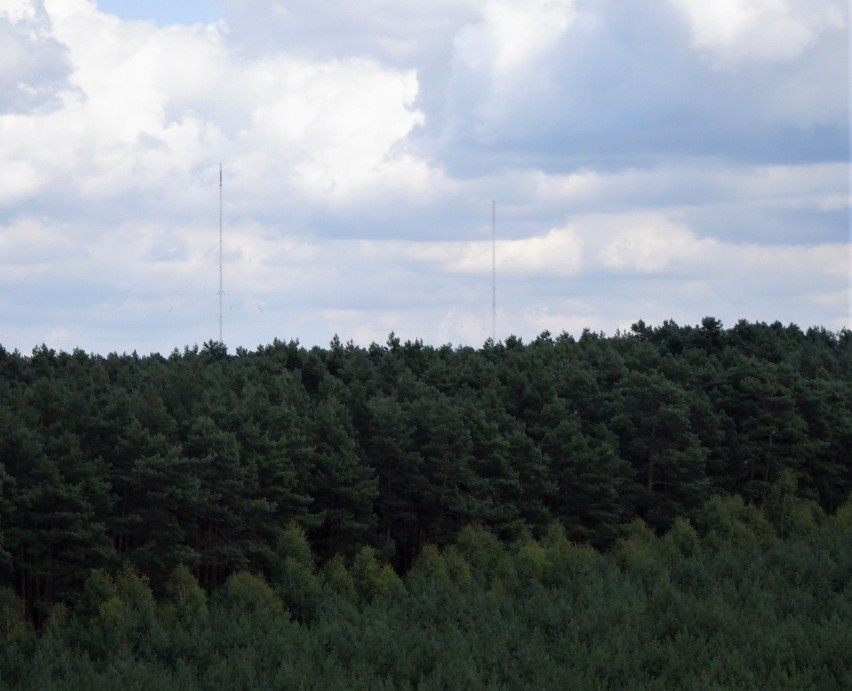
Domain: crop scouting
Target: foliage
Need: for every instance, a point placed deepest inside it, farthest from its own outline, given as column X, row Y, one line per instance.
column 683, row 611
column 561, row 491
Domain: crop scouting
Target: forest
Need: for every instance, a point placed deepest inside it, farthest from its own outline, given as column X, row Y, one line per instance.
column 667, row 507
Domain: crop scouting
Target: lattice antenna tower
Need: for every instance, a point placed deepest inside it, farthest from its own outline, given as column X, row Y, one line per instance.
column 493, row 270
column 221, row 292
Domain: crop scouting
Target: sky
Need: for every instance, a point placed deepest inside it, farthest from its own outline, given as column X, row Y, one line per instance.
column 653, row 159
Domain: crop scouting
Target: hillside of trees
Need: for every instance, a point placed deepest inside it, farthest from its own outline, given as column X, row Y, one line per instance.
column 118, row 472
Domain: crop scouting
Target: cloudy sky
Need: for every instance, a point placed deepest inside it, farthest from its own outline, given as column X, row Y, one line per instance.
column 653, row 159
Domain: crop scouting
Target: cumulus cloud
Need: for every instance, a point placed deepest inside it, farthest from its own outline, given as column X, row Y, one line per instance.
column 651, row 245
column 557, row 252
column 154, row 105
column 513, row 36
column 333, row 128
column 34, row 67
column 734, row 31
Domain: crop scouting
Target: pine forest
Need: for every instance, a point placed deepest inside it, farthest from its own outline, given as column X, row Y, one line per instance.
column 664, row 508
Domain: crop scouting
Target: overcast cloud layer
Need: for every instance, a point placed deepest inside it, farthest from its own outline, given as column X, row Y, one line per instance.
column 663, row 159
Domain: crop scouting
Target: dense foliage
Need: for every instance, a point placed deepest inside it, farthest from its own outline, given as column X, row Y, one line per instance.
column 202, row 458
column 129, row 484
column 734, row 608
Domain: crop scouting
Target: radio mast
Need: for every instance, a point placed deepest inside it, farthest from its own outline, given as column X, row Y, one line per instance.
column 220, row 254
column 493, row 270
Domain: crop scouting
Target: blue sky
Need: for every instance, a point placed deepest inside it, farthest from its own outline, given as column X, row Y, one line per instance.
column 665, row 159
column 164, row 12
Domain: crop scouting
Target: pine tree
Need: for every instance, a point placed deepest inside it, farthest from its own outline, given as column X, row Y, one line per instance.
column 656, row 436
column 343, row 487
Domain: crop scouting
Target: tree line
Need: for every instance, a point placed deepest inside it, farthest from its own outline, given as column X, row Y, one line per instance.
column 203, row 459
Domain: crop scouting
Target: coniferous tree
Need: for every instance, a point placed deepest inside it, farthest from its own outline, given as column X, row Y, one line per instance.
column 389, row 450
column 343, row 488
column 653, row 424
column 231, row 512
column 591, row 479
column 444, row 443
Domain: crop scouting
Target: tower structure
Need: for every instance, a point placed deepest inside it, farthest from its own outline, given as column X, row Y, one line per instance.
column 221, row 293
column 493, row 270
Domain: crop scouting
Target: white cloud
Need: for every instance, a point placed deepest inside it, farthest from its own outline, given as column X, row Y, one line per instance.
column 557, row 252
column 502, row 62
column 734, row 31
column 28, row 241
column 651, row 244
column 691, row 192
column 20, row 10
column 334, row 125
column 143, row 118
column 401, row 32
column 33, row 65
column 828, row 262
column 513, row 35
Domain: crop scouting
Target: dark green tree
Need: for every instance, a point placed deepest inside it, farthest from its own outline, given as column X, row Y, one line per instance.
column 592, row 480
column 389, row 450
column 343, row 487
column 656, row 436
column 233, row 515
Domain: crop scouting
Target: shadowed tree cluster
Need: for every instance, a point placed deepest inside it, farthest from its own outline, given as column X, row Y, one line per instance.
column 724, row 603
